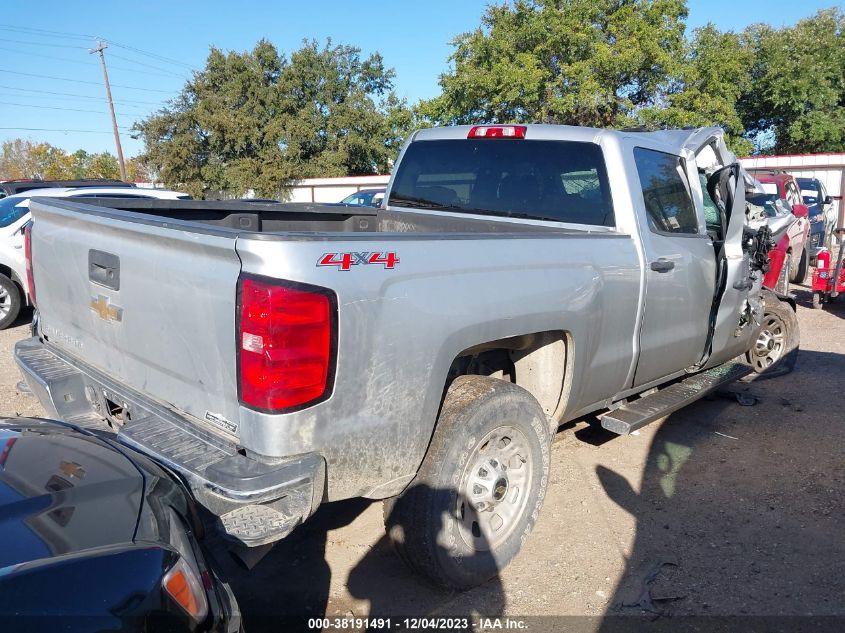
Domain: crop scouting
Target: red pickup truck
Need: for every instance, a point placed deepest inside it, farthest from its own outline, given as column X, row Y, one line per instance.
column 790, row 259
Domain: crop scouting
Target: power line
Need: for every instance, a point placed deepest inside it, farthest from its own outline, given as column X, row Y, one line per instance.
column 77, row 96
column 76, row 61
column 153, row 55
column 34, row 31
column 31, row 43
column 46, row 129
column 42, row 107
column 80, row 81
column 65, row 34
column 140, row 63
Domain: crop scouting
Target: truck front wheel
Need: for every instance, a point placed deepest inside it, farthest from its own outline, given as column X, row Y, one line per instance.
column 776, row 349
column 479, row 490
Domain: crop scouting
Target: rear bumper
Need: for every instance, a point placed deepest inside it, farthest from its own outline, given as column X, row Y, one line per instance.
column 257, row 501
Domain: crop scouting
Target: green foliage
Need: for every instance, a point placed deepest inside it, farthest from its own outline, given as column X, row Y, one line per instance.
column 20, row 158
column 608, row 63
column 579, row 62
column 798, row 84
column 256, row 120
column 715, row 72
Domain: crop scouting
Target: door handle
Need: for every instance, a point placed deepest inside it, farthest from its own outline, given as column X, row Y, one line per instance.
column 662, row 265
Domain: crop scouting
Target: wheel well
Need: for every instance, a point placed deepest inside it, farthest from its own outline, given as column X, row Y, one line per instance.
column 536, row 362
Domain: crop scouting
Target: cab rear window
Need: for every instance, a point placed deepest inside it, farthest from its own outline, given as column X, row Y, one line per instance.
column 561, row 181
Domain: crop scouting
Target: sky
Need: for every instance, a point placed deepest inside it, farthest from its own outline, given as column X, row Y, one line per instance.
column 49, row 80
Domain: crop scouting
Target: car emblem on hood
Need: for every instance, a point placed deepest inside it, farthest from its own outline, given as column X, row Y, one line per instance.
column 105, row 310
column 72, row 469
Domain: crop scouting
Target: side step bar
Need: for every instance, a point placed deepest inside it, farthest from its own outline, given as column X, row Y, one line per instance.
column 647, row 409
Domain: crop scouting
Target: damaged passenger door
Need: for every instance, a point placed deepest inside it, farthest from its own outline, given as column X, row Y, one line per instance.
column 737, row 306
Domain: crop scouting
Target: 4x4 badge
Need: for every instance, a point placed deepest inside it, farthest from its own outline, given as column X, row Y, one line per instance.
column 105, row 310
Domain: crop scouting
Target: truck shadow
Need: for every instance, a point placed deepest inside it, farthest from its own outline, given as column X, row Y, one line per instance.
column 739, row 510
column 292, row 582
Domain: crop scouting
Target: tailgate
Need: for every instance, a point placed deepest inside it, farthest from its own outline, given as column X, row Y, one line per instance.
column 147, row 301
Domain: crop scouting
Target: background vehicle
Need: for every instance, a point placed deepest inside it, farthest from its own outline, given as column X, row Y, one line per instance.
column 365, row 198
column 14, row 214
column 790, row 259
column 279, row 356
column 11, row 187
column 94, row 536
column 821, row 216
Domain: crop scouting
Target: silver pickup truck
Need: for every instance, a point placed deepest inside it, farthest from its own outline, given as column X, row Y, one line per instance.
column 516, row 277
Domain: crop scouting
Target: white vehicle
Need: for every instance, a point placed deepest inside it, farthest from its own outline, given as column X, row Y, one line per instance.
column 14, row 214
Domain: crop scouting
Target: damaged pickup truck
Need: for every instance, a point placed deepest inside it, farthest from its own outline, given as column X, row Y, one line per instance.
column 280, row 356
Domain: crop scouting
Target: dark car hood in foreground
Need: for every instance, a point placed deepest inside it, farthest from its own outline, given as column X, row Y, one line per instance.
column 62, row 492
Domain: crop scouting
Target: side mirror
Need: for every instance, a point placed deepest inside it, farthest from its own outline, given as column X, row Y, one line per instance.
column 828, row 200
column 800, row 210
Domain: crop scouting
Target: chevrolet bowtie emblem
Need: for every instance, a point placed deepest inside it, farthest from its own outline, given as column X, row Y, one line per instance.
column 72, row 469
column 107, row 312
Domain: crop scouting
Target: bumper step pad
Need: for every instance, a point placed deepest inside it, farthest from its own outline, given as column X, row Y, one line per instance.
column 256, row 525
column 638, row 413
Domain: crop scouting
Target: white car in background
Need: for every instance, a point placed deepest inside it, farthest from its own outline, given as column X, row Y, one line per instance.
column 14, row 214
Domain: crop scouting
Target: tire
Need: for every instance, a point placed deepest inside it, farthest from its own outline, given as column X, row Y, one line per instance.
column 817, row 301
column 478, row 493
column 782, row 286
column 10, row 302
column 776, row 349
column 803, row 267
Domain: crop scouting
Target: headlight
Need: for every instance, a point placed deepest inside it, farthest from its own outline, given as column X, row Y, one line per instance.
column 183, row 582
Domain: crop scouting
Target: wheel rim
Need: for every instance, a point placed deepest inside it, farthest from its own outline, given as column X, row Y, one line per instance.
column 769, row 346
column 494, row 488
column 5, row 303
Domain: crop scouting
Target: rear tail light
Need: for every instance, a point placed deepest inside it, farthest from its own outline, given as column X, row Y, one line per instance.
column 287, row 335
column 497, row 131
column 27, row 247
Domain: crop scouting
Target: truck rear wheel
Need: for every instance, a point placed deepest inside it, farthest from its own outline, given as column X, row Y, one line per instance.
column 479, row 490
column 10, row 302
column 776, row 349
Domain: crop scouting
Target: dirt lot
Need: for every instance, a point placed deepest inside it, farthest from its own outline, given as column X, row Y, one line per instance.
column 721, row 509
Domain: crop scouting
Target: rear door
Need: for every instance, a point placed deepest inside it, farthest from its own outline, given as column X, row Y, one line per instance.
column 148, row 302
column 680, row 266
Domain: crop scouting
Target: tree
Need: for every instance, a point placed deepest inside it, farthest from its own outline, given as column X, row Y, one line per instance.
column 714, row 74
column 21, row 158
column 255, row 120
column 797, row 96
column 25, row 159
column 581, row 62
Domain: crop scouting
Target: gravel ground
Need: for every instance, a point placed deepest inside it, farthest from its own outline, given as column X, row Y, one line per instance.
column 720, row 509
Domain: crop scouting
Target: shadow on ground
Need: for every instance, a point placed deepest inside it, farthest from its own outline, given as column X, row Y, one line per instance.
column 739, row 512
column 292, row 582
column 742, row 515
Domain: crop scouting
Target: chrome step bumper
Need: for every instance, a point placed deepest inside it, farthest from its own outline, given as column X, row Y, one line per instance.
column 258, row 501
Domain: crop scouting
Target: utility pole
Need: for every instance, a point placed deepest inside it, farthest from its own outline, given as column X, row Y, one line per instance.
column 101, row 46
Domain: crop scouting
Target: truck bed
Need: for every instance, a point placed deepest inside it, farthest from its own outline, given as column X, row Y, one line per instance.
column 280, row 218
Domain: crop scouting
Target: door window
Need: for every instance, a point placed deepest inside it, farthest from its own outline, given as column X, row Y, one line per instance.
column 792, row 195
column 666, row 192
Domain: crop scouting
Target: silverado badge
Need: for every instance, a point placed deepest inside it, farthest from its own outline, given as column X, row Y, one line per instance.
column 105, row 310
